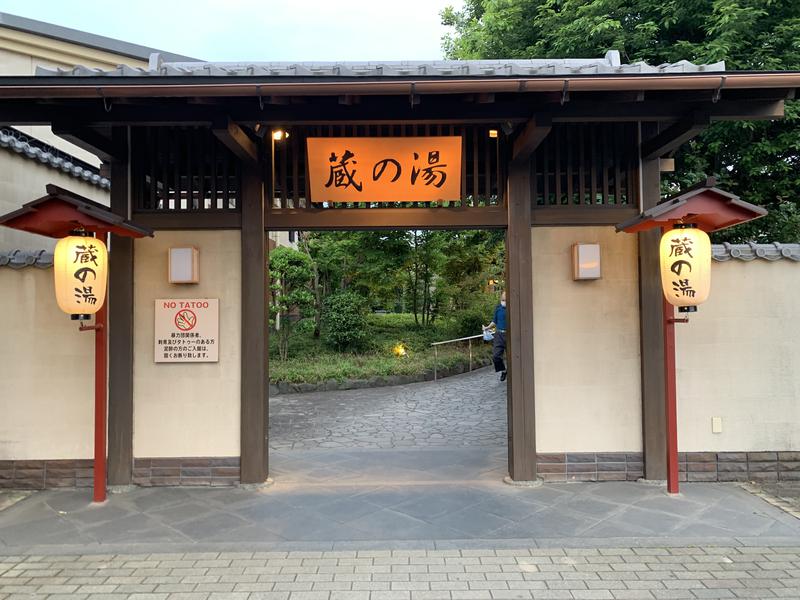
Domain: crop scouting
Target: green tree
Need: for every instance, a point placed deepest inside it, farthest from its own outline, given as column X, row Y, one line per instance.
column 759, row 161
column 344, row 323
column 290, row 274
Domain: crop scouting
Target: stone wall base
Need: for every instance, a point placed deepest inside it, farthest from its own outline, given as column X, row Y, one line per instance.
column 45, row 474
column 739, row 466
column 211, row 471
column 552, row 467
column 590, row 466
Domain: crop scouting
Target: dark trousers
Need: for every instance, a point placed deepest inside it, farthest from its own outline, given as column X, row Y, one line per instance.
column 498, row 350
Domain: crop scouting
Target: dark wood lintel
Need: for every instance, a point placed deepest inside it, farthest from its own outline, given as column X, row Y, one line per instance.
column 581, row 215
column 189, row 220
column 493, row 217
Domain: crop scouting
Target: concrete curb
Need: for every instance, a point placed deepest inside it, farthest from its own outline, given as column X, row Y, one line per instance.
column 332, row 385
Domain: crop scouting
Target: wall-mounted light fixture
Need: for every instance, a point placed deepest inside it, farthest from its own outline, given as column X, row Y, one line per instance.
column 184, row 265
column 279, row 134
column 586, row 261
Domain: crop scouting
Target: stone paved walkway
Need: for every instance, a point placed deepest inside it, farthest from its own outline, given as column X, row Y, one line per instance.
column 397, row 494
column 464, row 410
column 433, row 502
column 645, row 573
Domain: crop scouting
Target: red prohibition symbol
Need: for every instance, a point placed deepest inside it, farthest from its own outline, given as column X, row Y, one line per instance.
column 185, row 319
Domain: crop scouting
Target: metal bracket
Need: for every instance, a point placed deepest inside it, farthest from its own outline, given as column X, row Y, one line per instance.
column 95, row 327
column 107, row 102
column 683, row 320
column 260, row 97
column 718, row 92
column 565, row 92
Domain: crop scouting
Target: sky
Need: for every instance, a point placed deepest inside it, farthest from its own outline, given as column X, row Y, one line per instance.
column 257, row 30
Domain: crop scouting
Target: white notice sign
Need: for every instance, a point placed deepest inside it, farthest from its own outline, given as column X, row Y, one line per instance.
column 187, row 330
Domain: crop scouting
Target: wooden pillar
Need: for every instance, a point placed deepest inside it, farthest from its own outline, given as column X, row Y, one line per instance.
column 519, row 296
column 255, row 321
column 651, row 329
column 121, row 326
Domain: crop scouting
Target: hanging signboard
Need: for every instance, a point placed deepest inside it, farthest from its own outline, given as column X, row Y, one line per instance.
column 388, row 169
column 187, row 330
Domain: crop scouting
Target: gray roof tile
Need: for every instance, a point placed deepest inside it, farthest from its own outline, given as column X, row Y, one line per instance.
column 19, row 259
column 747, row 252
column 13, row 140
column 610, row 64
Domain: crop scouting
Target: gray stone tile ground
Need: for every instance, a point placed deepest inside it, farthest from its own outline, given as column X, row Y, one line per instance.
column 465, row 410
column 392, row 513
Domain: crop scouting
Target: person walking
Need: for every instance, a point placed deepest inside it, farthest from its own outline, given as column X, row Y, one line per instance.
column 499, row 340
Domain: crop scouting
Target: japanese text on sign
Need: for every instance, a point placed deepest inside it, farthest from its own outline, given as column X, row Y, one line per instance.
column 685, row 266
column 187, row 330
column 425, row 169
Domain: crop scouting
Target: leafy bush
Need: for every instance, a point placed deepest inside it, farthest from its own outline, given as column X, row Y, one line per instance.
column 470, row 320
column 344, row 324
column 303, row 326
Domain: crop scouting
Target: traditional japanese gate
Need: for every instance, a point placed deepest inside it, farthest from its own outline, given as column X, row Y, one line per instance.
column 184, row 175
column 190, row 146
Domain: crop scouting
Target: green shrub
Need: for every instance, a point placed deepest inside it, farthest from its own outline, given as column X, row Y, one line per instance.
column 470, row 320
column 344, row 324
column 303, row 326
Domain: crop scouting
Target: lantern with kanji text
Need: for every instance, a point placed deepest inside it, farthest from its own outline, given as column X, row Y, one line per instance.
column 80, row 263
column 685, row 266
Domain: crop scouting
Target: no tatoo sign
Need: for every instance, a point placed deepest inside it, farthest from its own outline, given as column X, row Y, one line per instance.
column 186, row 330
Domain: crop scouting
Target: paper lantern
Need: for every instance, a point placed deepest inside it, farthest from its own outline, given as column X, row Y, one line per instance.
column 81, row 271
column 686, row 266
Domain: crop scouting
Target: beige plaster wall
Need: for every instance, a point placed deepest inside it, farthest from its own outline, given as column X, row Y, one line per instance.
column 586, row 344
column 187, row 409
column 738, row 359
column 23, row 180
column 46, row 372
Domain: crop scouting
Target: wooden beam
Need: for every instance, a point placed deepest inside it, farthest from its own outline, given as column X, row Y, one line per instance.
column 190, row 220
column 519, row 293
column 651, row 331
column 529, row 139
column 255, row 331
column 92, row 141
column 665, row 110
column 121, row 328
column 490, row 217
column 674, row 136
column 237, row 141
column 581, row 215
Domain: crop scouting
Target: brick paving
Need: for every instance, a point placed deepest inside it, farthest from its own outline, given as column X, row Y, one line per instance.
column 648, row 572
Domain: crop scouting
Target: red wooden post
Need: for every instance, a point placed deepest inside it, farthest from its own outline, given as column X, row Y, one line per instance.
column 671, row 397
column 100, row 353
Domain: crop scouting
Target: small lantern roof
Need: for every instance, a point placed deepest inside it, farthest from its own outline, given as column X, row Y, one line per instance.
column 704, row 205
column 61, row 212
